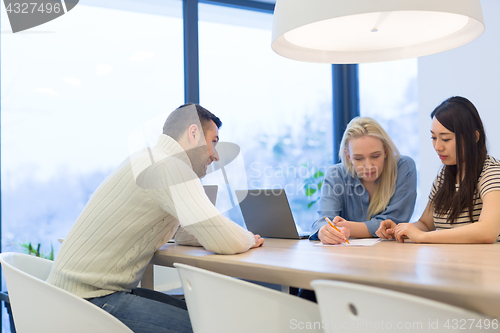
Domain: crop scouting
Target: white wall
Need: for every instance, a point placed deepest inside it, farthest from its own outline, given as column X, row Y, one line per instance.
column 472, row 71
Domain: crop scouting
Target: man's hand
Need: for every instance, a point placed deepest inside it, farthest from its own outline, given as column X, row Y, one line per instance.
column 408, row 230
column 258, row 241
column 328, row 235
column 386, row 229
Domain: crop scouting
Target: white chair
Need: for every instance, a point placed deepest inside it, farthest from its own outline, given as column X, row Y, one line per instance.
column 40, row 307
column 347, row 306
column 219, row 303
column 166, row 280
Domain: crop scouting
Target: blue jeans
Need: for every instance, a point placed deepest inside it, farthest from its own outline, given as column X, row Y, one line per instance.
column 146, row 311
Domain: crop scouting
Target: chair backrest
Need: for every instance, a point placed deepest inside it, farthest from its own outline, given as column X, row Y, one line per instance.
column 218, row 303
column 41, row 307
column 347, row 306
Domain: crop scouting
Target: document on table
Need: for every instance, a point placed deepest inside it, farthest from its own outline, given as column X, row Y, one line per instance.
column 355, row 242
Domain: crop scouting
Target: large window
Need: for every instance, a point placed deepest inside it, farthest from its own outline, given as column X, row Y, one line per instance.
column 279, row 111
column 388, row 93
column 73, row 90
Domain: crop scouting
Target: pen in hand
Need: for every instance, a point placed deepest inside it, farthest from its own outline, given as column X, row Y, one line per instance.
column 334, row 227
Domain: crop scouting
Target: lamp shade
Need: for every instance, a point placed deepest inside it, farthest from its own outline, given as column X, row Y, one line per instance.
column 360, row 31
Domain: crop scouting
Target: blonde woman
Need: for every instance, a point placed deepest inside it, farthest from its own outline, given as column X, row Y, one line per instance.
column 373, row 183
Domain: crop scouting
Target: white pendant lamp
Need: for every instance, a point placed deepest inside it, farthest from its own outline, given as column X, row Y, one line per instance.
column 360, row 31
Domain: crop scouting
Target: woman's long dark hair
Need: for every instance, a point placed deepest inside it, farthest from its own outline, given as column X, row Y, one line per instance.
column 460, row 116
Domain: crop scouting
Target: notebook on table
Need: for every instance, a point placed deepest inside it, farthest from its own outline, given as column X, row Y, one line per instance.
column 267, row 213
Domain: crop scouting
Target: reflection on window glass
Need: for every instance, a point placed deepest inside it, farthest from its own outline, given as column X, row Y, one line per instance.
column 388, row 93
column 73, row 90
column 279, row 111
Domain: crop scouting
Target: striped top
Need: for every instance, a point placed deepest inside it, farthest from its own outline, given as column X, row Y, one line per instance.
column 132, row 214
column 489, row 180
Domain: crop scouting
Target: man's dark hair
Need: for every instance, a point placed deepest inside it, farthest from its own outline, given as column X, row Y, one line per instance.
column 181, row 118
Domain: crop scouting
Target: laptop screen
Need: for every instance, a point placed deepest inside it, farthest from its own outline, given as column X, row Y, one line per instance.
column 211, row 192
column 267, row 213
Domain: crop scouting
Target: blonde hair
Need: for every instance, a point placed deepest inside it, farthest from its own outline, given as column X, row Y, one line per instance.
column 386, row 184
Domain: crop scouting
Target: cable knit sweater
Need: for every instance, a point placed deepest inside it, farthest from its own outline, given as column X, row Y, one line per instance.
column 132, row 214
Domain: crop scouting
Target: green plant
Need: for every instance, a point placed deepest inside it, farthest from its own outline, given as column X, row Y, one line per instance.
column 313, row 183
column 36, row 252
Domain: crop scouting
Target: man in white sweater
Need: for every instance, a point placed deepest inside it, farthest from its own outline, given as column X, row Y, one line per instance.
column 135, row 211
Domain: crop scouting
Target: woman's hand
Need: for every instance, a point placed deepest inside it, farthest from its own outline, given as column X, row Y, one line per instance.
column 328, row 235
column 386, row 229
column 408, row 230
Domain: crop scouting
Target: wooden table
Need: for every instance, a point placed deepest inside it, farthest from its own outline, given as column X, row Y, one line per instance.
column 463, row 275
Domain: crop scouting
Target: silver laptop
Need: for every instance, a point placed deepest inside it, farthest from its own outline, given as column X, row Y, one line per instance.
column 267, row 213
column 211, row 192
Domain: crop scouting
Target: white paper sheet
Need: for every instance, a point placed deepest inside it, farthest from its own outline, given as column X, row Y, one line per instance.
column 356, row 242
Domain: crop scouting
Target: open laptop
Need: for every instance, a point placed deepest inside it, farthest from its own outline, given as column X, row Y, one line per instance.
column 211, row 192
column 267, row 213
